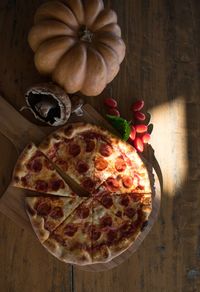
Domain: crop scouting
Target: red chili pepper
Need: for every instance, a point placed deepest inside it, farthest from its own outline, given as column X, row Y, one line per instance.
column 138, row 105
column 138, row 144
column 145, row 138
column 133, row 133
column 139, row 116
column 110, row 102
column 141, row 128
column 114, row 112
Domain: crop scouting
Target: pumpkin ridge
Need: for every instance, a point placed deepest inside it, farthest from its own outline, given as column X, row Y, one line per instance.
column 46, row 62
column 77, row 8
column 114, row 29
column 117, row 44
column 91, row 11
column 62, row 66
column 112, row 69
column 93, row 83
column 58, row 11
column 107, row 16
column 45, row 30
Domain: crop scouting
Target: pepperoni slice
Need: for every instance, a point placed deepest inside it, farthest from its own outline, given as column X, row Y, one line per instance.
column 83, row 212
column 34, row 165
column 43, row 209
column 24, row 180
column 130, row 212
column 105, row 150
column 107, row 201
column 125, row 201
column 90, row 144
column 74, row 149
column 106, row 221
column 70, row 229
column 57, row 184
column 82, row 167
column 111, row 235
column 101, row 163
column 88, row 184
column 120, row 164
column 41, row 185
column 127, row 181
column 56, row 213
column 95, row 233
column 124, row 229
column 112, row 184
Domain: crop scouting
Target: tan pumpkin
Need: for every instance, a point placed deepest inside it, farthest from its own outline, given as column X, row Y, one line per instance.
column 78, row 43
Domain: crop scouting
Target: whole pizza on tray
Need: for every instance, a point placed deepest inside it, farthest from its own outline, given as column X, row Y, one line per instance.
column 96, row 227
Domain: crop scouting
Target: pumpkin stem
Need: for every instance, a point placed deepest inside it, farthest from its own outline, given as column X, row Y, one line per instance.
column 85, row 34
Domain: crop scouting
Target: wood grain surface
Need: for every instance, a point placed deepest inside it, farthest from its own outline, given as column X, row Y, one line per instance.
column 162, row 67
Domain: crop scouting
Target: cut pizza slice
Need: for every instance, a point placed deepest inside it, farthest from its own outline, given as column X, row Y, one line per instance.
column 126, row 206
column 138, row 175
column 72, row 150
column 112, row 235
column 71, row 241
column 119, row 167
column 46, row 213
column 35, row 172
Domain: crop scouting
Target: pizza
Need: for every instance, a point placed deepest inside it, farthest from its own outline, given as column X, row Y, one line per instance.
column 35, row 172
column 117, row 203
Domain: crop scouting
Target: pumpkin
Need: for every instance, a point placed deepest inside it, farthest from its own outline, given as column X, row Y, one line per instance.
column 78, row 43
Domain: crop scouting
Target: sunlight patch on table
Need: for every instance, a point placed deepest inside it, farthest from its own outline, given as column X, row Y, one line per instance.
column 169, row 140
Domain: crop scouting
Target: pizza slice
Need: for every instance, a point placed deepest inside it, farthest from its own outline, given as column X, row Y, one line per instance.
column 138, row 175
column 72, row 149
column 126, row 206
column 111, row 234
column 117, row 171
column 71, row 241
column 35, row 172
column 46, row 213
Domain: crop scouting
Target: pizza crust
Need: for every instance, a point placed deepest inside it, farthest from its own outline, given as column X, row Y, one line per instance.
column 76, row 256
column 36, row 220
column 23, row 158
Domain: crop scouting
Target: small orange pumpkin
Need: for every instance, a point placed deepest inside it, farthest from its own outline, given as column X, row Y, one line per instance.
column 78, row 43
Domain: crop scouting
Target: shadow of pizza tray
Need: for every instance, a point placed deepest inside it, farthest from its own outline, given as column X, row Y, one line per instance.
column 19, row 132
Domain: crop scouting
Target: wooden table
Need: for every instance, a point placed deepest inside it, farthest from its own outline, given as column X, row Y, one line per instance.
column 162, row 67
